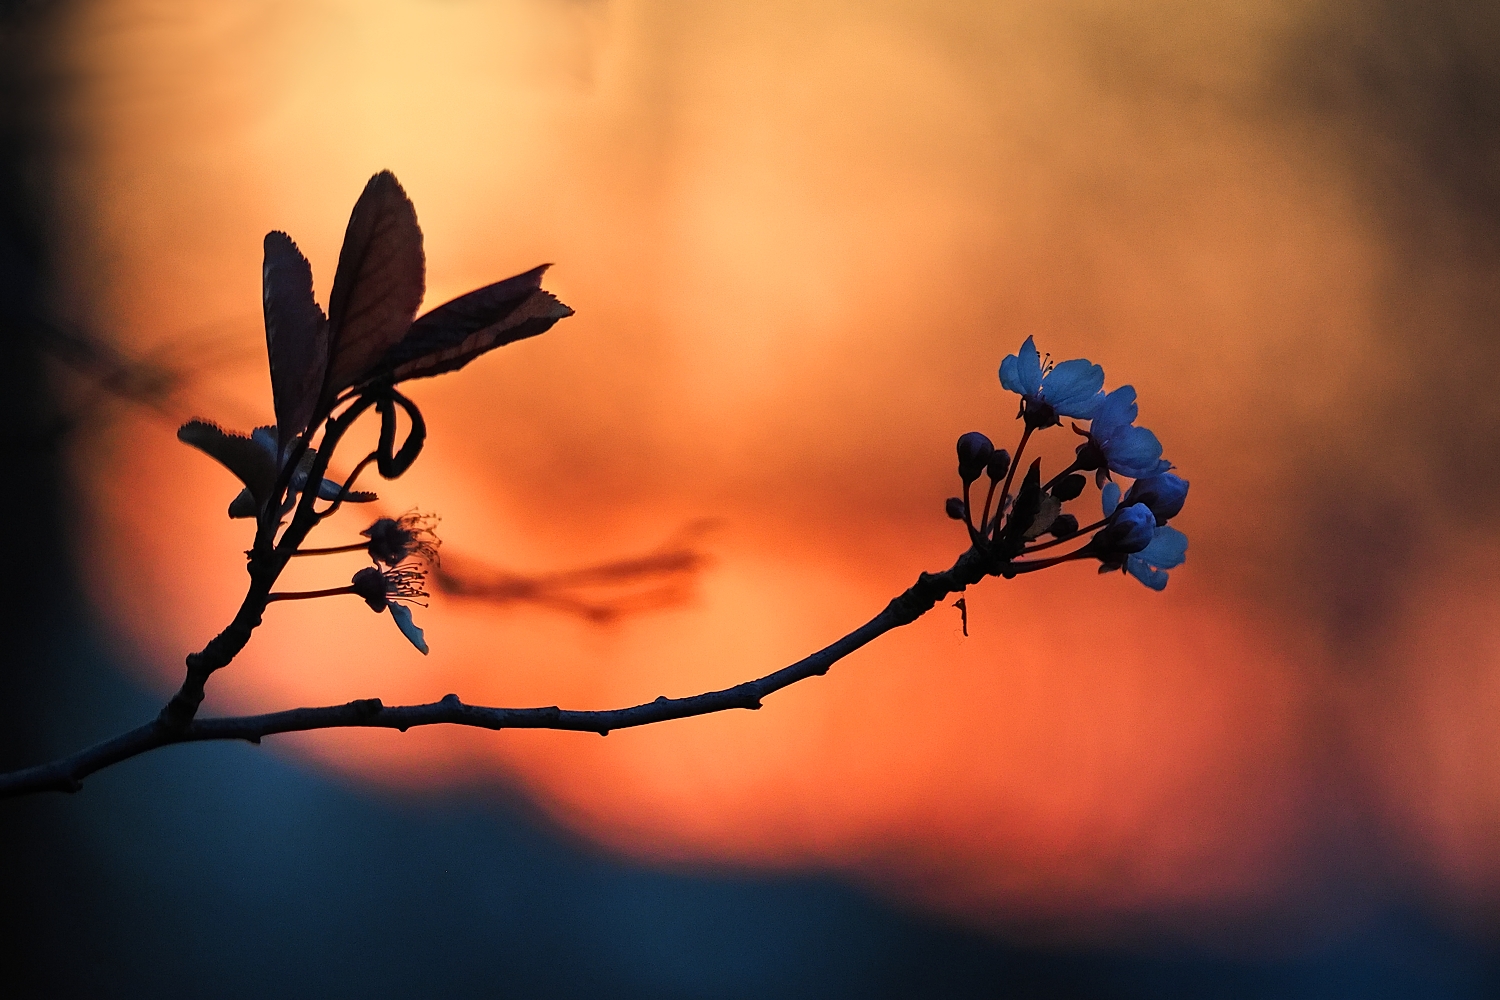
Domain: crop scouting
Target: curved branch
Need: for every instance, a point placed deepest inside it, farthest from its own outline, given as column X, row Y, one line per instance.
column 68, row 773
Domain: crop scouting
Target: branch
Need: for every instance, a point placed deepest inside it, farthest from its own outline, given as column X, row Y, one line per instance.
column 67, row 774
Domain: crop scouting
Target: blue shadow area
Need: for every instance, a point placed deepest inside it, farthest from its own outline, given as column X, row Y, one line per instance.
column 226, row 871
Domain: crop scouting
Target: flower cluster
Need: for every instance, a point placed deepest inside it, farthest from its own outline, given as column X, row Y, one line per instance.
column 1132, row 535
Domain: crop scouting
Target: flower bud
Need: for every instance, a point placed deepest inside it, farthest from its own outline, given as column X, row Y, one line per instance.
column 974, row 452
column 1068, row 487
column 955, row 508
column 999, row 465
column 1064, row 526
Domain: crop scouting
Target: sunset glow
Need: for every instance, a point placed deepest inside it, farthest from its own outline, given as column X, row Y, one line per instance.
column 799, row 239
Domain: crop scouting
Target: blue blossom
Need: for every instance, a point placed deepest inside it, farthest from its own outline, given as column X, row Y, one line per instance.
column 1168, row 549
column 1069, row 389
column 1164, row 494
column 1115, row 444
column 1129, row 530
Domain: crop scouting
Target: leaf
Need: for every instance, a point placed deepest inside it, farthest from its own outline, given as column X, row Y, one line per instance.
column 456, row 332
column 378, row 285
column 329, row 490
column 408, row 628
column 243, row 505
column 296, row 336
column 1047, row 510
column 246, row 458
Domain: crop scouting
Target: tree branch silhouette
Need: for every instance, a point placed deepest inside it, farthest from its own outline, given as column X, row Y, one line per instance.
column 328, row 372
column 67, row 774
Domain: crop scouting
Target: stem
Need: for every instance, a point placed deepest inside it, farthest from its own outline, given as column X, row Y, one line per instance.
column 268, row 558
column 1015, row 464
column 68, row 773
column 307, row 595
column 974, row 536
column 1071, row 538
column 1034, row 565
column 984, row 520
column 344, row 490
column 332, row 549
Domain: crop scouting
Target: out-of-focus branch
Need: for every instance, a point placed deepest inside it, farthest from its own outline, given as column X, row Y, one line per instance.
column 602, row 593
column 68, row 773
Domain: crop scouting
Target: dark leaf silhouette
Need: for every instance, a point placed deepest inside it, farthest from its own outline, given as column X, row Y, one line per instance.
column 453, row 334
column 254, row 464
column 296, row 337
column 378, row 285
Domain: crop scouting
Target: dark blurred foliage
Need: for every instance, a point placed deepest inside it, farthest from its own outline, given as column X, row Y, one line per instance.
column 226, row 871
column 1406, row 99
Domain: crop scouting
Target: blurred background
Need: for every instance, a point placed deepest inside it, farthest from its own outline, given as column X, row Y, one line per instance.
column 799, row 238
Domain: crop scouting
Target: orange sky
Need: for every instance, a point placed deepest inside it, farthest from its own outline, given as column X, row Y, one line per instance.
column 799, row 239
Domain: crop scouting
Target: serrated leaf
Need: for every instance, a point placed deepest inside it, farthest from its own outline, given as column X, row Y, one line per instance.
column 329, row 490
column 402, row 614
column 296, row 336
column 378, row 285
column 455, row 333
column 246, row 458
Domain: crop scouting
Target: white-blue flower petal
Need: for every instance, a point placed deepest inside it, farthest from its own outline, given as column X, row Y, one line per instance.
column 1134, row 452
column 1137, row 567
column 402, row 614
column 1029, row 368
column 1116, row 410
column 1110, row 497
column 1073, row 388
column 1168, row 548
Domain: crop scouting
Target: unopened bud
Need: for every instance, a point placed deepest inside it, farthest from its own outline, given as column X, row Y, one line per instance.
column 974, row 452
column 1068, row 487
column 955, row 508
column 1064, row 526
column 999, row 465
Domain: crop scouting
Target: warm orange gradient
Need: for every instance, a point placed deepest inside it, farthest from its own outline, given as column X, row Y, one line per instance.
column 799, row 239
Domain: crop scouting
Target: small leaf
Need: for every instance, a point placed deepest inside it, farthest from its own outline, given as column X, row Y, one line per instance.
column 378, row 285
column 296, row 336
column 329, row 490
column 455, row 333
column 246, row 458
column 408, row 628
column 1047, row 511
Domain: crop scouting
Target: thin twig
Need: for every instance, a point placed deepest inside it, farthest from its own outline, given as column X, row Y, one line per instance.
column 68, row 773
